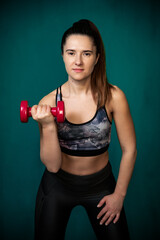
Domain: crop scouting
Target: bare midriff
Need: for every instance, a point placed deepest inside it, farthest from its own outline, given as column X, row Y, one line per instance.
column 84, row 165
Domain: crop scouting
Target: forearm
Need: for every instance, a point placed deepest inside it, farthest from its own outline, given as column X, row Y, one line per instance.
column 125, row 172
column 50, row 152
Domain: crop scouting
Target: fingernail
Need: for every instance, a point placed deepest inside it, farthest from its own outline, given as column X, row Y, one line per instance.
column 97, row 217
column 98, row 205
column 106, row 224
column 100, row 223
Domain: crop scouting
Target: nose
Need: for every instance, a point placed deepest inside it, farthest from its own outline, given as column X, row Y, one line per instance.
column 78, row 60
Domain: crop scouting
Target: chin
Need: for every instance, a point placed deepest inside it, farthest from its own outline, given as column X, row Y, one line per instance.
column 79, row 78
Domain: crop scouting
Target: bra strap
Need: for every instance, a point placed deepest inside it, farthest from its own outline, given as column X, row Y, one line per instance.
column 58, row 95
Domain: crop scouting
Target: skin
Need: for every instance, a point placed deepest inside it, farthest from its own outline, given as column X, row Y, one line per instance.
column 80, row 57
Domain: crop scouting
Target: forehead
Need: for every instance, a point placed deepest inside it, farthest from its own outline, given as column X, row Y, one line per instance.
column 78, row 41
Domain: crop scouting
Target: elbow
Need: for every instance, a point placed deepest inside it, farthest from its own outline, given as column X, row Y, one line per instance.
column 132, row 152
column 52, row 166
column 53, row 169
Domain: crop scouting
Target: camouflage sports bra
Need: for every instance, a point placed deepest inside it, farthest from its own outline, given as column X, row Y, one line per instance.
column 86, row 139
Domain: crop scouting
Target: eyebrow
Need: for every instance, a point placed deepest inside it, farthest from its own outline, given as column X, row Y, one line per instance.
column 72, row 50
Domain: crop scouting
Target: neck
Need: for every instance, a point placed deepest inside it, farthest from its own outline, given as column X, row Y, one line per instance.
column 80, row 87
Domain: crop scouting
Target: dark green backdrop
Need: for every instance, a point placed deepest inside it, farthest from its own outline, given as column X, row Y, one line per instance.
column 31, row 66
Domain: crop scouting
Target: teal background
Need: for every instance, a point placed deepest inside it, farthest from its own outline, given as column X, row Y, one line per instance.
column 31, row 66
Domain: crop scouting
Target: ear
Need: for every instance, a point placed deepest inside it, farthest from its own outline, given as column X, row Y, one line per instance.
column 97, row 58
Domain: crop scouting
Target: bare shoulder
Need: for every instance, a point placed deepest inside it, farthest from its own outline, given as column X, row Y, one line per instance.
column 49, row 99
column 117, row 93
column 118, row 98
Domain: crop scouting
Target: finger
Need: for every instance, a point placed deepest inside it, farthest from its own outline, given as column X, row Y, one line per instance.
column 34, row 107
column 34, row 110
column 44, row 110
column 39, row 110
column 103, row 200
column 102, row 212
column 110, row 219
column 106, row 216
column 116, row 218
column 48, row 109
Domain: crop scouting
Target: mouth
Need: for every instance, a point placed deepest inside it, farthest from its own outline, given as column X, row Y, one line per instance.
column 78, row 70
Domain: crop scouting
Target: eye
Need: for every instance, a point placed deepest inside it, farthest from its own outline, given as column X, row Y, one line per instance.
column 70, row 53
column 87, row 54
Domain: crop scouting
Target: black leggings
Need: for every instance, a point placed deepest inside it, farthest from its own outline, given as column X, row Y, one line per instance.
column 60, row 192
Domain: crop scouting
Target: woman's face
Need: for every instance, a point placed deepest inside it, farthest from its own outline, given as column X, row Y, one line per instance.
column 79, row 56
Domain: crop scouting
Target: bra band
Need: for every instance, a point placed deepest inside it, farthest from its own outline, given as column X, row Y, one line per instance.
column 84, row 153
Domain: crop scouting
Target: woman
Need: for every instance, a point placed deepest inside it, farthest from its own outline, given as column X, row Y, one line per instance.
column 78, row 171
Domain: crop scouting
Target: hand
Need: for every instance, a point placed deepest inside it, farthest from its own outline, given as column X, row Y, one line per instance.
column 42, row 114
column 112, row 208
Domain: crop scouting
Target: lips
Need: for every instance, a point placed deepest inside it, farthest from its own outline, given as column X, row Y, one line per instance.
column 78, row 70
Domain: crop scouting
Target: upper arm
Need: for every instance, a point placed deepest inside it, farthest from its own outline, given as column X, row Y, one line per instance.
column 123, row 121
column 49, row 99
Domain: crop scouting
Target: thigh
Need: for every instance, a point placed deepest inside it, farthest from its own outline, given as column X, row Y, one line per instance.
column 117, row 231
column 53, row 208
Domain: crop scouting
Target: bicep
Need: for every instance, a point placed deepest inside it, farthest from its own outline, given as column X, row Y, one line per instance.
column 124, row 123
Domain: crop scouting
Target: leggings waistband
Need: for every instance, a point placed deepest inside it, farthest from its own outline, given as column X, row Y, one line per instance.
column 94, row 178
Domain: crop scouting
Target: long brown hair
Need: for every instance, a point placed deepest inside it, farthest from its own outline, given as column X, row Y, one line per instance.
column 100, row 87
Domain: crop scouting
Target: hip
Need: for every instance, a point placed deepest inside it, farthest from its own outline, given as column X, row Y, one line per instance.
column 99, row 182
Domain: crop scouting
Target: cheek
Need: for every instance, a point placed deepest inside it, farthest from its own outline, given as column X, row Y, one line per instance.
column 91, row 66
column 67, row 61
column 67, row 68
column 67, row 64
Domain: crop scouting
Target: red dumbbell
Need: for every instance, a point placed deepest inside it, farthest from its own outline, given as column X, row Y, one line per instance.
column 58, row 112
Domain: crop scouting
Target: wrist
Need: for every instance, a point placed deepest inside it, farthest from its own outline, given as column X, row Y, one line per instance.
column 119, row 194
column 49, row 127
